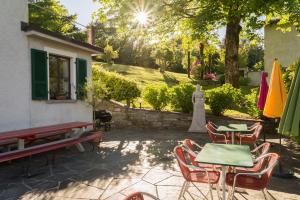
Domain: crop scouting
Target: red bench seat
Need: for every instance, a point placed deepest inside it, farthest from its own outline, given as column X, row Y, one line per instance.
column 12, row 155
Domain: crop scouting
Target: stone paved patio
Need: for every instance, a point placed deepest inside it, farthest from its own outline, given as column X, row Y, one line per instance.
column 129, row 160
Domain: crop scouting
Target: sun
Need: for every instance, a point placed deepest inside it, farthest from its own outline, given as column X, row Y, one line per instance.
column 141, row 17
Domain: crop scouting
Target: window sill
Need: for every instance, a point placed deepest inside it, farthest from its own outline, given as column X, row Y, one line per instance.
column 61, row 101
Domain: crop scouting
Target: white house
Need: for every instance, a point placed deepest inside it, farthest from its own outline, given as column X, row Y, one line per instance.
column 41, row 72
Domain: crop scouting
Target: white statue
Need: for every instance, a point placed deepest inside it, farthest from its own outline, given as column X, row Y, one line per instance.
column 198, row 122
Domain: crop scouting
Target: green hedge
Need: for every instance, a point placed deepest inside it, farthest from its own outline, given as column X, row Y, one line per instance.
column 222, row 98
column 181, row 97
column 157, row 95
column 118, row 87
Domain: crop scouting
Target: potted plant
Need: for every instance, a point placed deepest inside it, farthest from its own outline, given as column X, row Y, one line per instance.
column 61, row 95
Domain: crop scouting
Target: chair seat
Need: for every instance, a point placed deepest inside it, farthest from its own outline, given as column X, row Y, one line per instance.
column 201, row 177
column 248, row 182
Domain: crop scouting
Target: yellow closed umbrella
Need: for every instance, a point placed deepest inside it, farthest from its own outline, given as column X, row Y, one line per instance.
column 276, row 98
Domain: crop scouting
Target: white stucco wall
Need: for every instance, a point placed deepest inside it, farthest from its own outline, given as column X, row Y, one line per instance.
column 17, row 110
column 284, row 46
column 254, row 78
column 42, row 112
column 14, row 67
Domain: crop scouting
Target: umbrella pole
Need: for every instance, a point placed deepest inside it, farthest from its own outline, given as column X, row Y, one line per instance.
column 281, row 173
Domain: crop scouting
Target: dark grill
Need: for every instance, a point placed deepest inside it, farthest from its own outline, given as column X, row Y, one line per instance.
column 103, row 119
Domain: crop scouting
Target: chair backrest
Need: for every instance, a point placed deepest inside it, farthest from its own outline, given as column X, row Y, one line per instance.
column 140, row 196
column 258, row 130
column 210, row 131
column 189, row 144
column 179, row 153
column 267, row 164
column 264, row 148
column 212, row 124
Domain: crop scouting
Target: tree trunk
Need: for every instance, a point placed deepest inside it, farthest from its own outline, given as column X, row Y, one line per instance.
column 232, row 38
column 202, row 65
column 189, row 64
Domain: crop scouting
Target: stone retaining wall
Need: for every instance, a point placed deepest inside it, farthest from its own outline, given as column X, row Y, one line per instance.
column 124, row 117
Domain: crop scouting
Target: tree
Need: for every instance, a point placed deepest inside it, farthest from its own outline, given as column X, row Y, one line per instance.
column 204, row 16
column 51, row 15
column 109, row 54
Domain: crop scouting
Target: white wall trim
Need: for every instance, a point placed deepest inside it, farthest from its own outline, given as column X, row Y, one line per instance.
column 35, row 33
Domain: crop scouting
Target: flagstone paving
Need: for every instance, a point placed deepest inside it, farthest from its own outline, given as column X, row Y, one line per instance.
column 128, row 161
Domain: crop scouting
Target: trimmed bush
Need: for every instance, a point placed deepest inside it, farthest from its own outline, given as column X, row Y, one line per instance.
column 250, row 103
column 181, row 98
column 157, row 96
column 244, row 81
column 223, row 98
column 118, row 87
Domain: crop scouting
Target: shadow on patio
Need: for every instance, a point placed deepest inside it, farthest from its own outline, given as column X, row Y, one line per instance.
column 128, row 160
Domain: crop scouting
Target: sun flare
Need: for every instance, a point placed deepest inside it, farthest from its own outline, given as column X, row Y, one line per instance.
column 141, row 17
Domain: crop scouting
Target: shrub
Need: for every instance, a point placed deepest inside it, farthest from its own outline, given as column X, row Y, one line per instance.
column 157, row 96
column 118, row 87
column 222, row 98
column 251, row 104
column 289, row 74
column 244, row 81
column 181, row 98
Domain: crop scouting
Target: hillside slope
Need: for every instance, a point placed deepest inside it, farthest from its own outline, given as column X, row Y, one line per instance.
column 144, row 76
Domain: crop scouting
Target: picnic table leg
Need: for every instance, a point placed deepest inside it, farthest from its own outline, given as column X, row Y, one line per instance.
column 223, row 182
column 232, row 137
column 78, row 133
column 21, row 143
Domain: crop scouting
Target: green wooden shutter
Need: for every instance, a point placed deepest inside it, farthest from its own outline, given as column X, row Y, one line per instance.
column 39, row 75
column 81, row 74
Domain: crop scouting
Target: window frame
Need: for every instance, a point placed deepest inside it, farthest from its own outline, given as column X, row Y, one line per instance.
column 69, row 97
column 72, row 56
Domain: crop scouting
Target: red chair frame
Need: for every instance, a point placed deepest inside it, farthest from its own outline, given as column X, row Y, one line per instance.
column 254, row 180
column 140, row 196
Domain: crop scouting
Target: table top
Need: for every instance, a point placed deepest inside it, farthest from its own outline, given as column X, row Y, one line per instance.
column 226, row 154
column 43, row 129
column 233, row 128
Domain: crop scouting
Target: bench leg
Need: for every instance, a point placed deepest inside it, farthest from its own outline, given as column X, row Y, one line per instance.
column 80, row 147
column 26, row 167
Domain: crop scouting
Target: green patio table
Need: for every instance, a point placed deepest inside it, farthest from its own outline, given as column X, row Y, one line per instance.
column 233, row 129
column 225, row 155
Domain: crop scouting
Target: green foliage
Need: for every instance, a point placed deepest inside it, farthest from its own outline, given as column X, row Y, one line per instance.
column 221, row 79
column 259, row 66
column 157, row 96
column 251, row 104
column 109, row 54
column 95, row 91
column 289, row 74
column 53, row 16
column 244, row 81
column 118, row 87
column 181, row 98
column 222, row 98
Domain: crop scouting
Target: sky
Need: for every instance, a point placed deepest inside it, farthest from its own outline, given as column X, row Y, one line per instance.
column 83, row 9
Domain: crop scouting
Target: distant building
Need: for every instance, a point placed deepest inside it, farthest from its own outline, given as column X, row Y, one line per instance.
column 41, row 72
column 284, row 46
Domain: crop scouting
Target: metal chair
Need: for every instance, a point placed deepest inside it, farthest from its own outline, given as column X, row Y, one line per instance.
column 216, row 137
column 193, row 149
column 257, row 153
column 140, row 196
column 193, row 174
column 250, row 138
column 257, row 180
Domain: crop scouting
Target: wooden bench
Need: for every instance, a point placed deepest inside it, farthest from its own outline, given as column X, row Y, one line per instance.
column 95, row 137
column 37, row 149
column 14, row 141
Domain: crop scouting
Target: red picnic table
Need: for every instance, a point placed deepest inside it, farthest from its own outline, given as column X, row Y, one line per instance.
column 46, row 131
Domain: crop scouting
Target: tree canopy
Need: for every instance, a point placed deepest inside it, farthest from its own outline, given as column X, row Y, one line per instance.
column 53, row 16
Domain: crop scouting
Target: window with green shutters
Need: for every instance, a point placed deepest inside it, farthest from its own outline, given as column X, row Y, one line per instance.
column 81, row 74
column 39, row 75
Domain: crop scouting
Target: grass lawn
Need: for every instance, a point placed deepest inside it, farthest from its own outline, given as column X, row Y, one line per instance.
column 144, row 76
